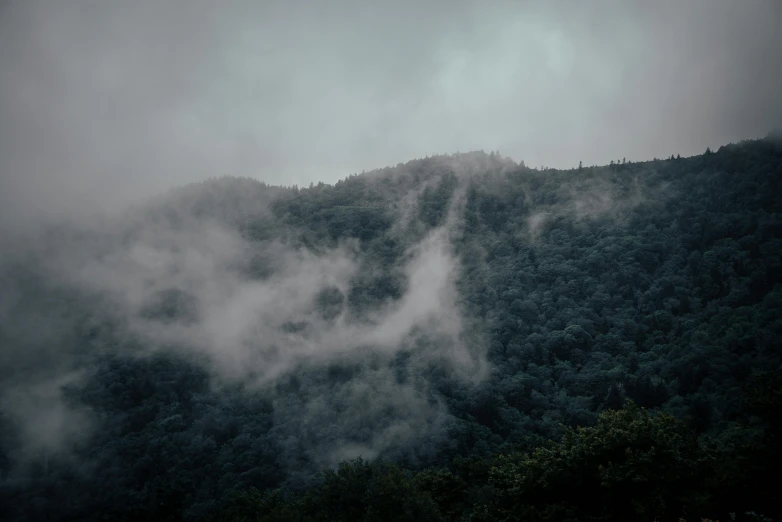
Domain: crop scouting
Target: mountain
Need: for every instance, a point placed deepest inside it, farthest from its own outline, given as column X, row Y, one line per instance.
column 460, row 337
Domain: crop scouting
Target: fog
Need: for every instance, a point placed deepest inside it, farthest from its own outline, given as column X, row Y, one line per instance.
column 105, row 103
column 105, row 107
column 172, row 281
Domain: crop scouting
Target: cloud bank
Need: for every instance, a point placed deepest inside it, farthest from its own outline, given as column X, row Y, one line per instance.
column 102, row 103
column 182, row 283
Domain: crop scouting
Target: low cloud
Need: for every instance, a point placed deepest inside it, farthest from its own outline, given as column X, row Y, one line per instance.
column 184, row 284
column 48, row 423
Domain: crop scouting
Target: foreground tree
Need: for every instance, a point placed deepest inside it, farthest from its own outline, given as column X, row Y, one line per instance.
column 632, row 465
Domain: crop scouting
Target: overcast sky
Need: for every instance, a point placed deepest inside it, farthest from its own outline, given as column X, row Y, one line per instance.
column 104, row 102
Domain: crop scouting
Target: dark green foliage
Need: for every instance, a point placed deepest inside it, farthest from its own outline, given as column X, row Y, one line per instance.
column 330, row 301
column 659, row 282
column 358, row 490
column 630, row 466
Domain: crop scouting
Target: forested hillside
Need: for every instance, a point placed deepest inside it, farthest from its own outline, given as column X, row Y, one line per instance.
column 455, row 338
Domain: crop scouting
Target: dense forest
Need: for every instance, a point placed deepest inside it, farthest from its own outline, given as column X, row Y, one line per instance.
column 460, row 337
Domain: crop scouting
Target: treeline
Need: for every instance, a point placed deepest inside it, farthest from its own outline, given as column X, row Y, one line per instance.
column 632, row 465
column 659, row 282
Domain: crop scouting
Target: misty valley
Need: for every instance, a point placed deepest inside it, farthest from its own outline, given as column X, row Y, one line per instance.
column 460, row 337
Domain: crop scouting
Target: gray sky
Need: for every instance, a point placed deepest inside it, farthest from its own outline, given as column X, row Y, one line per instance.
column 103, row 102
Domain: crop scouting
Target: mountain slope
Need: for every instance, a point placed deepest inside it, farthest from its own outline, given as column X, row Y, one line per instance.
column 232, row 335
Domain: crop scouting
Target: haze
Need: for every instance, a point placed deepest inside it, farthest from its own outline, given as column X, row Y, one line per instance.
column 104, row 103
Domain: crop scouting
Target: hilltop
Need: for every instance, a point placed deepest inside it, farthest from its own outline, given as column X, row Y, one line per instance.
column 443, row 320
